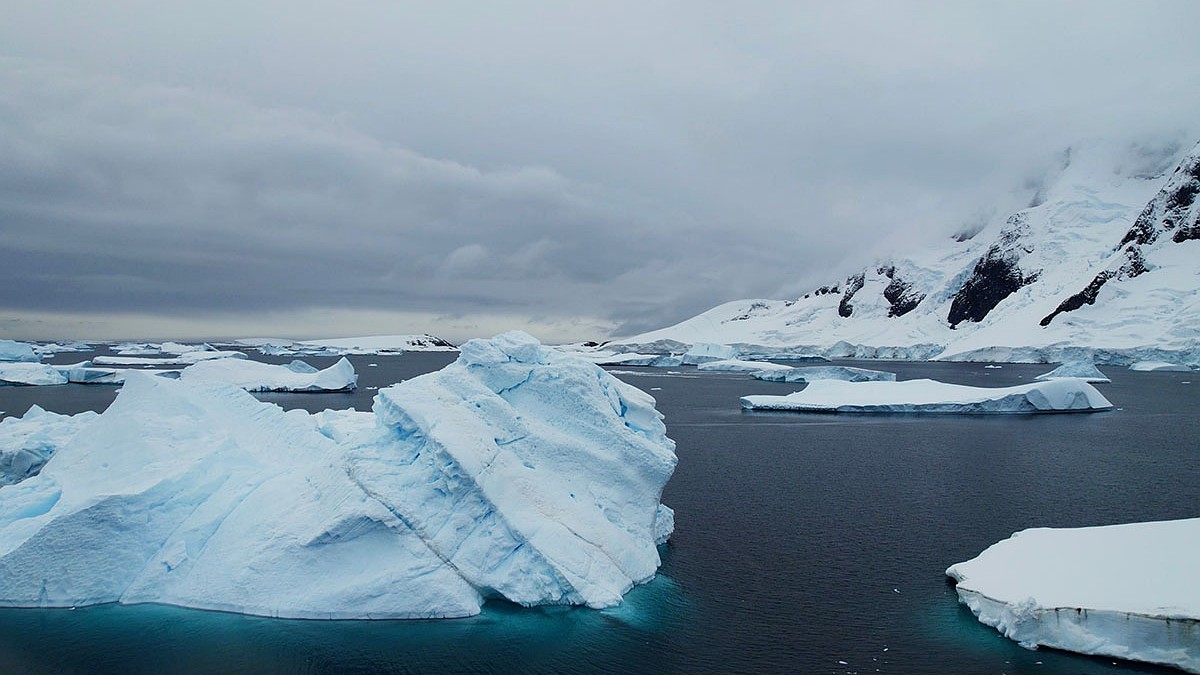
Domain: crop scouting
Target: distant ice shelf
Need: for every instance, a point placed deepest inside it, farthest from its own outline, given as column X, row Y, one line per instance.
column 812, row 373
column 931, row 396
column 1128, row 591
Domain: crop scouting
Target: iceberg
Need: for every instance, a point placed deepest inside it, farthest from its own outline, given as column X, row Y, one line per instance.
column 631, row 359
column 1159, row 366
column 184, row 359
column 931, row 396
column 17, row 351
column 1127, row 591
column 371, row 344
column 739, row 366
column 515, row 472
column 811, row 373
column 704, row 352
column 28, row 442
column 1083, row 370
column 84, row 373
column 256, row 376
column 22, row 373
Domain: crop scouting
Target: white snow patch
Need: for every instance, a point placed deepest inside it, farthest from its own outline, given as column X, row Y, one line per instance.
column 256, row 376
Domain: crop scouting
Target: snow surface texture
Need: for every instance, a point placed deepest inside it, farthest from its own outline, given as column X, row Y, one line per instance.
column 515, row 472
column 17, row 351
column 1107, row 242
column 1128, row 591
column 22, row 373
column 1159, row 366
column 1088, row 372
column 811, row 373
column 931, row 396
column 255, row 376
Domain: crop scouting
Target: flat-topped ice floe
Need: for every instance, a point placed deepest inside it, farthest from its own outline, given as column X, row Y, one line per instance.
column 515, row 473
column 17, row 351
column 184, row 359
column 1159, row 366
column 256, row 376
column 740, row 366
column 30, row 374
column 931, row 396
column 1083, row 370
column 813, row 373
column 1128, row 591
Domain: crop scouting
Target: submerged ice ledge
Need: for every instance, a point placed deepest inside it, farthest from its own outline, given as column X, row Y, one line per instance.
column 1128, row 591
column 931, row 396
column 515, row 472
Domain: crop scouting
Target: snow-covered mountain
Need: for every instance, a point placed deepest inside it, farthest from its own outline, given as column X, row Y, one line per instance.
column 1102, row 261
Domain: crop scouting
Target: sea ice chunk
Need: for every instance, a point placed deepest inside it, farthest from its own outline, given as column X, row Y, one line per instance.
column 704, row 352
column 185, row 359
column 515, row 472
column 17, row 351
column 811, row 373
column 1083, row 370
column 1159, row 366
column 256, row 376
column 1128, row 591
column 740, row 366
column 22, row 373
column 931, row 396
column 27, row 443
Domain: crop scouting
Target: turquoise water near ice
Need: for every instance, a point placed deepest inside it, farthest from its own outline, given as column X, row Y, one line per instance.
column 802, row 541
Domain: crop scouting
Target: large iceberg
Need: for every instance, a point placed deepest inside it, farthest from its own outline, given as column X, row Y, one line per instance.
column 812, row 373
column 22, row 373
column 931, row 396
column 515, row 473
column 256, row 376
column 1083, row 370
column 1128, row 591
column 17, row 351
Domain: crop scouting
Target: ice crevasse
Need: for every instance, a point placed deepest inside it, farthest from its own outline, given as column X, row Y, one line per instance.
column 515, row 472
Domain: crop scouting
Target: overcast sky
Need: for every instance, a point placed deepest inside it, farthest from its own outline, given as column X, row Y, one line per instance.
column 578, row 170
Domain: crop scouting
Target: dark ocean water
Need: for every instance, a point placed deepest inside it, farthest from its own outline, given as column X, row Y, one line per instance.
column 801, row 542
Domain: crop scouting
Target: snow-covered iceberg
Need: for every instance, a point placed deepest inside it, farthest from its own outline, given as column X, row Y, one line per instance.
column 931, row 396
column 631, row 359
column 515, row 472
column 1159, row 366
column 17, row 351
column 184, row 359
column 23, row 373
column 704, row 352
column 84, row 373
column 27, row 443
column 740, row 366
column 1128, row 591
column 812, row 373
column 1083, row 370
column 256, row 376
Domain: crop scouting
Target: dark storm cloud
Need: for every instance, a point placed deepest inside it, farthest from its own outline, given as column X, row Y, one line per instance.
column 619, row 165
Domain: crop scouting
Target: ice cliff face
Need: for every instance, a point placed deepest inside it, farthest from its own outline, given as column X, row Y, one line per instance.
column 1104, row 258
column 515, row 473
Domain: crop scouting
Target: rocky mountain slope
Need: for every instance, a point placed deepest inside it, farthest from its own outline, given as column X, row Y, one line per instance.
column 1102, row 262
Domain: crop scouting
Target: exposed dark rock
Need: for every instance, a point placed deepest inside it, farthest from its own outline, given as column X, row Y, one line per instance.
column 854, row 284
column 754, row 308
column 901, row 296
column 1187, row 232
column 996, row 276
column 1134, row 265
